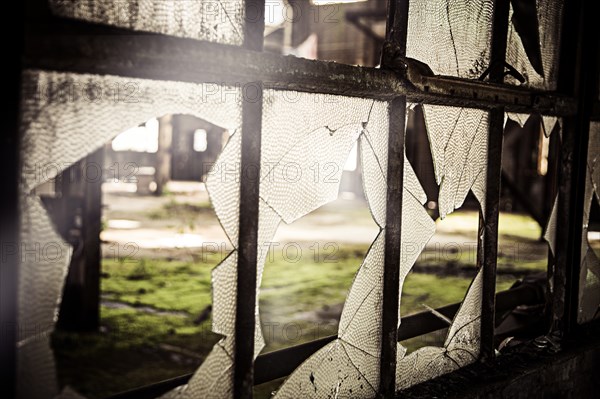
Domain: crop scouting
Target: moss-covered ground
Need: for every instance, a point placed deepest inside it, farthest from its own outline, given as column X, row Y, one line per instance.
column 156, row 312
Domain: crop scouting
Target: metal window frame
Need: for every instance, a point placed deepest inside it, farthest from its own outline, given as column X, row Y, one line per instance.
column 60, row 44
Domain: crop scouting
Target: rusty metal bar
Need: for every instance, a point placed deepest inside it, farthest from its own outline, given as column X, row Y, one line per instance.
column 393, row 243
column 245, row 311
column 9, row 209
column 551, row 191
column 396, row 35
column 488, row 219
column 75, row 46
column 578, row 76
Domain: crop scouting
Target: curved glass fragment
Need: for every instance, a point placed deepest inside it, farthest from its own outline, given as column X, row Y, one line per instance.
column 458, row 138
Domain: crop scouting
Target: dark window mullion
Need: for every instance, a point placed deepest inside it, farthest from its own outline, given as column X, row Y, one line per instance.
column 578, row 76
column 396, row 36
column 245, row 321
column 9, row 209
column 487, row 240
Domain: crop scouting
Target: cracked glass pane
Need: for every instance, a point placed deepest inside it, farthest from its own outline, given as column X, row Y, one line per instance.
column 458, row 140
column 214, row 378
column 349, row 366
column 299, row 132
column 533, row 42
column 65, row 117
column 589, row 293
column 306, row 141
column 217, row 21
column 373, row 152
column 327, row 123
column 460, row 348
column 461, row 31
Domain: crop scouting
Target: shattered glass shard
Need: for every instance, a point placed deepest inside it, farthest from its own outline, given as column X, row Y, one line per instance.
column 549, row 123
column 329, row 373
column 458, row 138
column 461, row 31
column 306, row 141
column 217, row 21
column 224, row 277
column 461, row 346
column 223, row 187
column 521, row 119
column 373, row 152
column 350, row 363
column 214, row 378
column 535, row 54
column 550, row 232
column 525, row 22
column 56, row 105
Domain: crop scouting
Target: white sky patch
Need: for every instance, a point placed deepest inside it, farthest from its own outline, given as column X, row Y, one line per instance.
column 138, row 139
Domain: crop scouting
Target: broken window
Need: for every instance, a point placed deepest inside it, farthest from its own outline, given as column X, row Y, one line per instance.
column 308, row 112
column 83, row 111
column 350, row 364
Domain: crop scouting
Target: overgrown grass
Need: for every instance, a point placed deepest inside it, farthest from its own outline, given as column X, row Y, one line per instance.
column 158, row 283
column 129, row 352
column 520, row 250
column 183, row 210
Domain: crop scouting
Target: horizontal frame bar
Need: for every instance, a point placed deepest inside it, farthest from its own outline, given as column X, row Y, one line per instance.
column 81, row 47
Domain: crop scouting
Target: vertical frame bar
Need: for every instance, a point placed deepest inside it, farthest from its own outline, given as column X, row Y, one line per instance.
column 487, row 242
column 245, row 321
column 396, row 34
column 578, row 77
column 9, row 210
column 551, row 190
